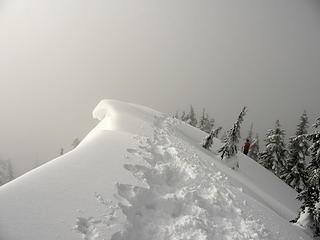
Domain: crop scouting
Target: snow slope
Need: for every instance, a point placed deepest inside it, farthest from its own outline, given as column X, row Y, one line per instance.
column 140, row 174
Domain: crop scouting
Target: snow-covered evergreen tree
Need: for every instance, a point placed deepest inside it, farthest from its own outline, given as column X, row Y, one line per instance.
column 208, row 141
column 310, row 195
column 274, row 156
column 203, row 119
column 266, row 158
column 211, row 124
column 215, row 132
column 184, row 117
column 205, row 124
column 295, row 173
column 192, row 118
column 254, row 148
column 229, row 148
column 6, row 172
column 303, row 125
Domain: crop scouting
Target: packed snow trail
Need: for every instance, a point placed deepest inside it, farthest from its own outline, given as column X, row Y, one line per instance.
column 183, row 197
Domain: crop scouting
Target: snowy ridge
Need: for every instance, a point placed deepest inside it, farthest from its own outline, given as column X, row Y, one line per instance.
column 140, row 174
column 187, row 198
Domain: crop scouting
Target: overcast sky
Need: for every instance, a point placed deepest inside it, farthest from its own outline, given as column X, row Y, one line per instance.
column 59, row 58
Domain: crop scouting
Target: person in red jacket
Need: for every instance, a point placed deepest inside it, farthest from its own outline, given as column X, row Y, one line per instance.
column 246, row 147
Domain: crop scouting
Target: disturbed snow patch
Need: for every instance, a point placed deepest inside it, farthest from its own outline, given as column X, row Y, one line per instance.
column 184, row 198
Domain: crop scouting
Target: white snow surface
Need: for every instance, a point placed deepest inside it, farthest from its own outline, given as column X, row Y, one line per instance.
column 141, row 175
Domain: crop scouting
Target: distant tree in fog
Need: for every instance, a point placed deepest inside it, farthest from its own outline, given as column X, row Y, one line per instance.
column 6, row 172
column 75, row 143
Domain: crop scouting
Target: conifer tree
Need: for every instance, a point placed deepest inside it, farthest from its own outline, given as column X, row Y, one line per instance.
column 203, row 120
column 229, row 148
column 266, row 158
column 303, row 125
column 208, row 141
column 310, row 195
column 274, row 157
column 6, row 172
column 192, row 119
column 184, row 117
column 211, row 124
column 75, row 142
column 205, row 124
column 215, row 132
column 61, row 151
column 295, row 173
column 254, row 149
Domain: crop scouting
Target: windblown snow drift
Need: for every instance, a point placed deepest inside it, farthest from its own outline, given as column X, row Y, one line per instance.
column 141, row 175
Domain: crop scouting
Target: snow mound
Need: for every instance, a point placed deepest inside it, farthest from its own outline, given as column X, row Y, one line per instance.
column 139, row 175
